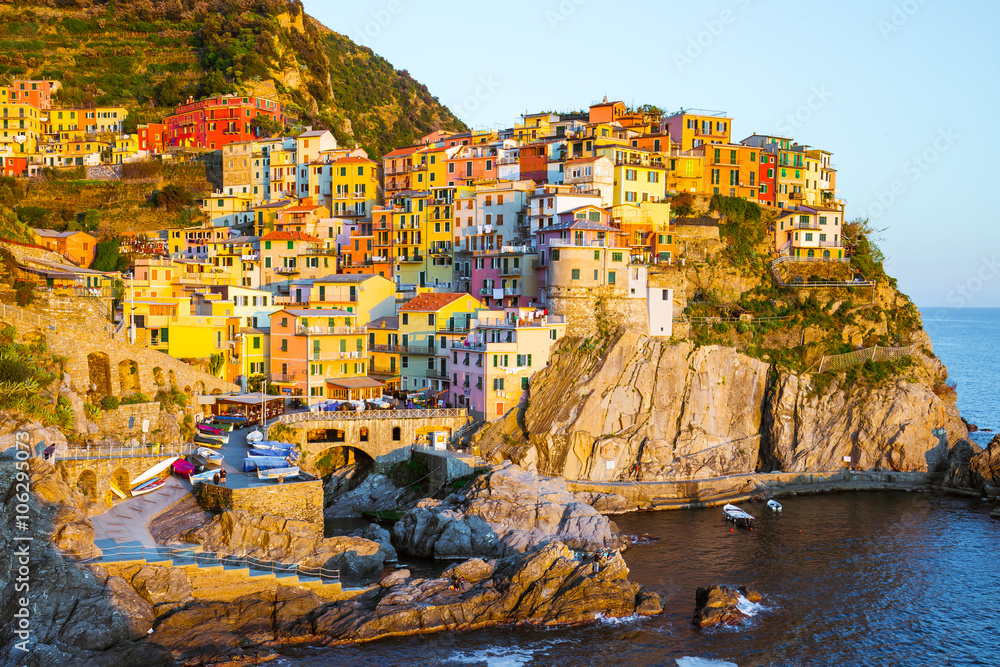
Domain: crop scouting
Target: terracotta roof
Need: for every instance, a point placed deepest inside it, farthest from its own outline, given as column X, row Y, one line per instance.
column 300, row 209
column 318, row 312
column 401, row 152
column 352, row 158
column 433, row 301
column 289, row 236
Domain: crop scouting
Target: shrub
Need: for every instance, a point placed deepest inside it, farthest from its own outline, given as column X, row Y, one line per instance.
column 92, row 412
column 135, row 398
column 742, row 327
column 110, row 402
column 25, row 292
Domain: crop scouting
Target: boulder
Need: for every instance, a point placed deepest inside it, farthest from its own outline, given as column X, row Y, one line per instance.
column 959, row 473
column 723, row 604
column 986, row 463
column 375, row 493
column 607, row 503
column 163, row 587
column 505, row 511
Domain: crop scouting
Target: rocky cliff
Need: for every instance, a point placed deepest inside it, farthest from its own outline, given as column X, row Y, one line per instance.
column 643, row 409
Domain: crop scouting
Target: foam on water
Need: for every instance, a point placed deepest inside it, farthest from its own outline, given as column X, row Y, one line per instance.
column 747, row 607
column 688, row 661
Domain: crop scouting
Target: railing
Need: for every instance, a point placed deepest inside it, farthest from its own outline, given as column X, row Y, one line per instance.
column 287, row 377
column 144, row 553
column 101, row 452
column 840, row 361
column 287, row 270
column 330, row 331
column 378, row 413
column 410, row 258
column 438, row 374
column 564, row 243
column 26, row 316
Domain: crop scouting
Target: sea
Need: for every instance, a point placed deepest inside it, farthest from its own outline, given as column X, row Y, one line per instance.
column 867, row 578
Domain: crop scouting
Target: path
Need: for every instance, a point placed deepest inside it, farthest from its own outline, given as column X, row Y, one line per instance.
column 125, row 523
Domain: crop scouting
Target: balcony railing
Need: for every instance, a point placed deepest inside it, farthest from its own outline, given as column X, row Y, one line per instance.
column 438, row 374
column 287, row 377
column 287, row 270
column 796, row 195
column 579, row 243
column 316, row 330
column 410, row 258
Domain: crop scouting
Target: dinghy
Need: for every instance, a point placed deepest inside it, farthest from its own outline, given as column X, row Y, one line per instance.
column 207, row 476
column 774, row 505
column 211, row 440
column 147, row 487
column 277, row 473
column 738, row 516
column 210, row 456
column 182, row 467
column 254, row 437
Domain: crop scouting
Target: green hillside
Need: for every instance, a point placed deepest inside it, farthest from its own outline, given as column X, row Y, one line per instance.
column 148, row 55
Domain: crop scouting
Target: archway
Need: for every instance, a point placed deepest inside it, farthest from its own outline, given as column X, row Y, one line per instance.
column 396, row 434
column 87, row 484
column 99, row 371
column 199, row 388
column 172, row 377
column 121, row 480
column 329, row 460
column 128, row 377
column 158, row 376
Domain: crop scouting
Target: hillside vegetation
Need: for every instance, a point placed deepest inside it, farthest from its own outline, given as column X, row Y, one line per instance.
column 148, row 55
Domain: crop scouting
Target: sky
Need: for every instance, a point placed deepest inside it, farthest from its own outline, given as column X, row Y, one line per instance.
column 903, row 93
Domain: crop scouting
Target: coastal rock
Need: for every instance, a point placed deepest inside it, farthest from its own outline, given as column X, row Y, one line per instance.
column 959, row 473
column 376, row 493
column 986, row 463
column 507, row 510
column 267, row 537
column 721, row 605
column 548, row 585
column 607, row 503
column 163, row 587
column 972, row 427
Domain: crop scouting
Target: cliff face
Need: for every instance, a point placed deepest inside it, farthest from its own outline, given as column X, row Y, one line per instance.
column 644, row 409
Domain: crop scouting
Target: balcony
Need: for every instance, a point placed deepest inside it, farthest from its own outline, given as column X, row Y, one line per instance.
column 346, row 262
column 453, row 328
column 805, row 225
column 316, row 330
column 287, row 377
column 385, row 348
column 796, row 195
column 287, row 270
column 438, row 374
column 338, row 356
column 407, row 259
column 579, row 243
column 415, row 349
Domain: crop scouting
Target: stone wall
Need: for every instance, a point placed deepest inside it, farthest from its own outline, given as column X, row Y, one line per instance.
column 103, row 470
column 104, row 172
column 126, row 421
column 22, row 252
column 301, row 501
column 589, row 310
column 444, row 466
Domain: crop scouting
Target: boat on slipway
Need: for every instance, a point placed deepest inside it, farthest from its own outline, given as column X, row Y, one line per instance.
column 738, row 516
column 147, row 487
column 155, row 471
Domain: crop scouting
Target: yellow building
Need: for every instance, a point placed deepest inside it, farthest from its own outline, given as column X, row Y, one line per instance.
column 252, row 352
column 20, row 128
column 288, row 256
column 790, row 177
column 686, row 173
column 429, row 326
column 639, row 175
column 365, row 295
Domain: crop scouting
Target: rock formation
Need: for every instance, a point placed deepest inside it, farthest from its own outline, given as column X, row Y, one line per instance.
column 507, row 510
column 546, row 586
column 645, row 409
column 723, row 604
column 986, row 463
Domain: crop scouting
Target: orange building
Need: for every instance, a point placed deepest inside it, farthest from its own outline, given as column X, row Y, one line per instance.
column 79, row 247
column 152, row 137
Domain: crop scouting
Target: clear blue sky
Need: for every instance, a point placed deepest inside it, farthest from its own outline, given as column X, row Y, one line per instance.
column 903, row 93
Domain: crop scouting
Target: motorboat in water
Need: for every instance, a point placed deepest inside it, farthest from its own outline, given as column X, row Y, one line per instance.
column 774, row 505
column 738, row 516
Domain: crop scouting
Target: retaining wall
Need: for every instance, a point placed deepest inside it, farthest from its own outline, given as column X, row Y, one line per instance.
column 301, row 501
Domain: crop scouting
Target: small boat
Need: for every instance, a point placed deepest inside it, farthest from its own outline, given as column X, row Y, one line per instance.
column 211, row 456
column 234, row 420
column 207, row 476
column 148, row 487
column 209, row 429
column 738, row 516
column 182, row 467
column 254, row 437
column 277, row 473
column 210, row 440
column 774, row 505
column 155, row 471
column 118, row 492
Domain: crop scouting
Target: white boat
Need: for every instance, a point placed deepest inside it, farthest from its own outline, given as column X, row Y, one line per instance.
column 118, row 492
column 774, row 505
column 277, row 473
column 207, row 476
column 254, row 436
column 209, row 438
column 211, row 455
column 738, row 516
column 154, row 471
column 147, row 487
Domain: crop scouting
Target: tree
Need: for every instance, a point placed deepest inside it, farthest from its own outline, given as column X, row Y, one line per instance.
column 91, row 220
column 265, row 126
column 108, row 256
column 216, row 363
column 131, row 123
column 172, row 198
column 168, row 92
column 117, row 294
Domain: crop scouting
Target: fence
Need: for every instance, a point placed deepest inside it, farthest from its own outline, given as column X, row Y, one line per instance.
column 823, row 283
column 99, row 452
column 429, row 413
column 840, row 361
column 193, row 557
column 26, row 317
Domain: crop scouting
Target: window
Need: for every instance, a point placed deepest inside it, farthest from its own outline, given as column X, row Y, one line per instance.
column 616, row 257
column 406, row 318
column 611, row 277
column 430, row 319
column 524, row 383
column 284, row 345
column 576, row 274
column 396, row 433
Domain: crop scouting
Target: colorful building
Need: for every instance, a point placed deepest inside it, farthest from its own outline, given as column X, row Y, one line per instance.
column 214, row 122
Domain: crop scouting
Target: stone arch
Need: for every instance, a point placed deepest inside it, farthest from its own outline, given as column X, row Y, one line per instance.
column 199, row 388
column 397, row 434
column 128, row 377
column 172, row 377
column 87, row 484
column 187, row 389
column 99, row 372
column 158, row 376
column 333, row 458
column 121, row 479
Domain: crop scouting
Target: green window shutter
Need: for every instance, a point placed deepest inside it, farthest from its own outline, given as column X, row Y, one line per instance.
column 495, row 363
column 343, row 345
column 290, row 245
column 360, row 344
column 267, row 245
column 524, row 383
column 256, row 342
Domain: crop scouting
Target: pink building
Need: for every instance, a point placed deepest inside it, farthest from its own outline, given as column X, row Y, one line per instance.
column 492, row 368
column 505, row 277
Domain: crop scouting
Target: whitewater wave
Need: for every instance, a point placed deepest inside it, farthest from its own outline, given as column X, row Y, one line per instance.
column 493, row 657
column 601, row 619
column 688, row 661
column 749, row 608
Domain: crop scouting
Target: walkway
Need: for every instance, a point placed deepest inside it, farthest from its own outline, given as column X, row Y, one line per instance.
column 125, row 523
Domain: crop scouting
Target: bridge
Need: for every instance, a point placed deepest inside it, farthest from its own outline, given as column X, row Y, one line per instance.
column 384, row 435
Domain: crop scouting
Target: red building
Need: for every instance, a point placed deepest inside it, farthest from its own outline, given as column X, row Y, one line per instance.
column 36, row 93
column 13, row 166
column 534, row 163
column 152, row 136
column 766, row 178
column 218, row 121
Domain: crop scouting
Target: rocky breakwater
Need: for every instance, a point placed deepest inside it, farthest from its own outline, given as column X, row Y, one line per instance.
column 505, row 511
column 643, row 409
column 549, row 585
column 273, row 538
